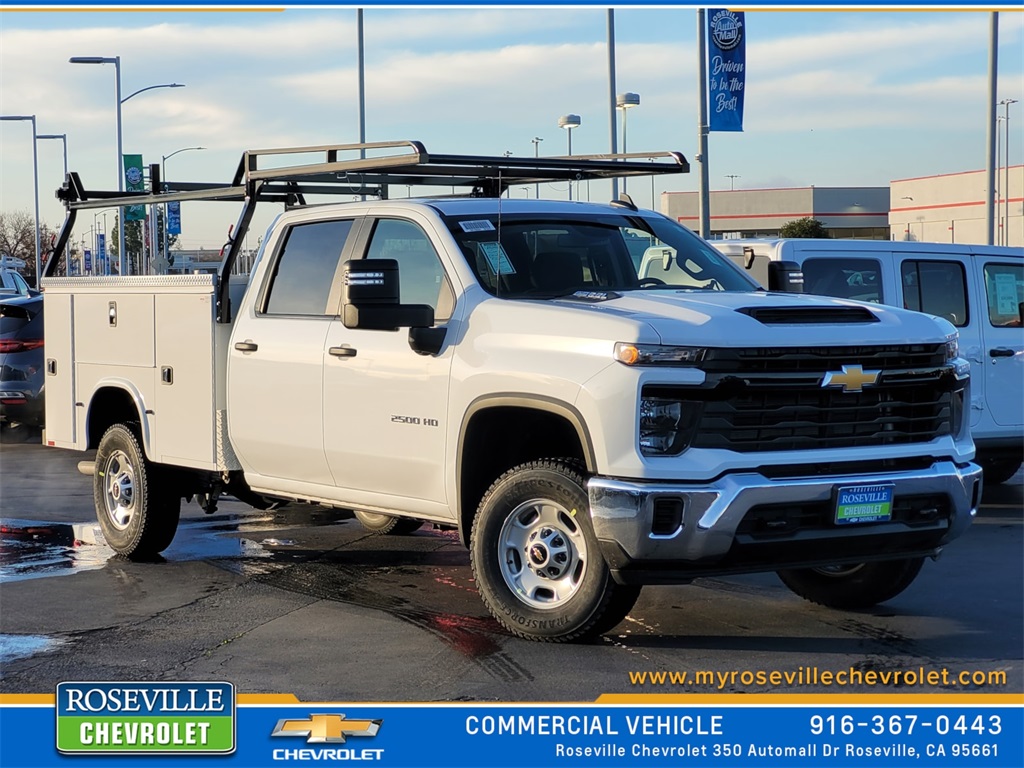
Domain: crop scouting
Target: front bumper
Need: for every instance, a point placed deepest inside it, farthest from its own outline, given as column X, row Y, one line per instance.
column 747, row 522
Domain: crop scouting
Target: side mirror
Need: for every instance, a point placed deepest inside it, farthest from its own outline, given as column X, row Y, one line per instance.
column 370, row 298
column 786, row 276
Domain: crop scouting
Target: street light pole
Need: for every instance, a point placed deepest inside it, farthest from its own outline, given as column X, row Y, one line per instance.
column 116, row 61
column 996, row 190
column 625, row 102
column 732, row 180
column 1006, row 170
column 536, row 140
column 64, row 141
column 568, row 122
column 35, row 180
column 163, row 176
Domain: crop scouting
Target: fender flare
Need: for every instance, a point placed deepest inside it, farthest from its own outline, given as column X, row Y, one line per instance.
column 519, row 400
column 137, row 398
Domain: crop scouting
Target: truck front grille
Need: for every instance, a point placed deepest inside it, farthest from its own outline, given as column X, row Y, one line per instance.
column 765, row 399
column 783, row 419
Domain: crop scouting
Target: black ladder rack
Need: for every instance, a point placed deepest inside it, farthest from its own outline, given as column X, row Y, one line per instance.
column 287, row 175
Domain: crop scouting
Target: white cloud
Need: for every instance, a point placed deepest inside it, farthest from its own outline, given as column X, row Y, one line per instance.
column 485, row 80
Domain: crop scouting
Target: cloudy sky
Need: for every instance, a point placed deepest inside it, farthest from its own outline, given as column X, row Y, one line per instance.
column 833, row 98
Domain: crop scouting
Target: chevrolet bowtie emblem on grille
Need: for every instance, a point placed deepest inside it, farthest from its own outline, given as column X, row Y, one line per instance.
column 326, row 729
column 852, row 378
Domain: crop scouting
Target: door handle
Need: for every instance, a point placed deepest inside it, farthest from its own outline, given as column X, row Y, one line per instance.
column 246, row 346
column 1001, row 352
column 342, row 351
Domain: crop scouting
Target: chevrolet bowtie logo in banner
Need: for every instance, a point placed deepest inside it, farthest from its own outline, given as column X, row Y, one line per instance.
column 326, row 729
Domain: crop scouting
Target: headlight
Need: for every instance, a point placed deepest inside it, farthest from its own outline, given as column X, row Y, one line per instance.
column 952, row 347
column 666, row 425
column 657, row 354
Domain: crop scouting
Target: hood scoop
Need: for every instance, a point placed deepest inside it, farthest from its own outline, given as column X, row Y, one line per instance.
column 810, row 315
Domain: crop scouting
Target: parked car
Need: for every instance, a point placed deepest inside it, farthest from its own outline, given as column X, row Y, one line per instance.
column 13, row 284
column 21, row 361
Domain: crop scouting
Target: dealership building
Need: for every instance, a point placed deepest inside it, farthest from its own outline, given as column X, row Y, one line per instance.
column 949, row 208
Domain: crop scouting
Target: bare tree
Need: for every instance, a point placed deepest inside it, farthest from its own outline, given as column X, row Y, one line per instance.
column 18, row 237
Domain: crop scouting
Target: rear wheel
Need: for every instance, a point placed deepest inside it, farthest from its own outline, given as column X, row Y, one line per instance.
column 387, row 525
column 860, row 585
column 536, row 559
column 135, row 505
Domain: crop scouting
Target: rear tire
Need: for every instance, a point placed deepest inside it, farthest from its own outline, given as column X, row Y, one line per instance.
column 860, row 585
column 999, row 470
column 380, row 524
column 136, row 507
column 536, row 559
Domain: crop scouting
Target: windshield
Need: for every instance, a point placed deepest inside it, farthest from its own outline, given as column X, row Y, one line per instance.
column 534, row 256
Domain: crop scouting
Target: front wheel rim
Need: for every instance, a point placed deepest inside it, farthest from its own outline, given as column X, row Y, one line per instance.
column 542, row 553
column 119, row 489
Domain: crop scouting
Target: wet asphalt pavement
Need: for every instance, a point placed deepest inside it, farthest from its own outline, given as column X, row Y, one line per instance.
column 302, row 600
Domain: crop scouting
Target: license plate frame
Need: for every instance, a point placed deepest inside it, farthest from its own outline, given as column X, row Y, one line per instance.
column 863, row 504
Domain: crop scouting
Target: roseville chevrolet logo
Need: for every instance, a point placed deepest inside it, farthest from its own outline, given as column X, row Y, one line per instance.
column 852, row 378
column 326, row 729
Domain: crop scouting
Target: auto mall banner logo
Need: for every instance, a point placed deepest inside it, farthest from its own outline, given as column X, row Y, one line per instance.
column 727, row 69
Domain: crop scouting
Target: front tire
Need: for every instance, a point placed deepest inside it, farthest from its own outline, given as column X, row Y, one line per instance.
column 135, row 505
column 999, row 470
column 536, row 559
column 387, row 525
column 850, row 587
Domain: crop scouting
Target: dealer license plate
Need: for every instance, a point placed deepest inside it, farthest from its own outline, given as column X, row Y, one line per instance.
column 863, row 504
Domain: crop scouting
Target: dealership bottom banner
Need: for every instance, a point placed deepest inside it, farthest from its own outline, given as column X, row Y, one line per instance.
column 206, row 723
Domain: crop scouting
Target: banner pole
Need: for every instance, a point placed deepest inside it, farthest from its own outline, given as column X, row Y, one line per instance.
column 704, row 195
column 990, row 119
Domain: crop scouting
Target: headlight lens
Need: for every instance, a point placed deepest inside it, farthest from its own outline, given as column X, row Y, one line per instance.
column 666, row 425
column 952, row 347
column 657, row 354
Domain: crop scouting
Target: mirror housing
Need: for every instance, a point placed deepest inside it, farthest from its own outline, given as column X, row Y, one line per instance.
column 370, row 298
column 785, row 276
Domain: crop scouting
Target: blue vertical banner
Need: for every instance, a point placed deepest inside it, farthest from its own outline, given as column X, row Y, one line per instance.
column 727, row 69
column 101, row 254
column 174, row 218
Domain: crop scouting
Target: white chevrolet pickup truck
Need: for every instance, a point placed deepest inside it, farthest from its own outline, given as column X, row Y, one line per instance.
column 592, row 395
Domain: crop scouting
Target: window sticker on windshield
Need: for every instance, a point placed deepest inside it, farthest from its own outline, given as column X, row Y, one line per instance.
column 477, row 225
column 497, row 259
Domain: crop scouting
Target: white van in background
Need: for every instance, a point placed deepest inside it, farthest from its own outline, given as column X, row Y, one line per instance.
column 978, row 288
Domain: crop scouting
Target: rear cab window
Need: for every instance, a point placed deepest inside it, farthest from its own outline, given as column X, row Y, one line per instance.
column 847, row 278
column 302, row 277
column 936, row 287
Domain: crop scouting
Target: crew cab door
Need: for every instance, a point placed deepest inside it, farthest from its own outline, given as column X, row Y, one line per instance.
column 1002, row 304
column 276, row 357
column 938, row 285
column 385, row 405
